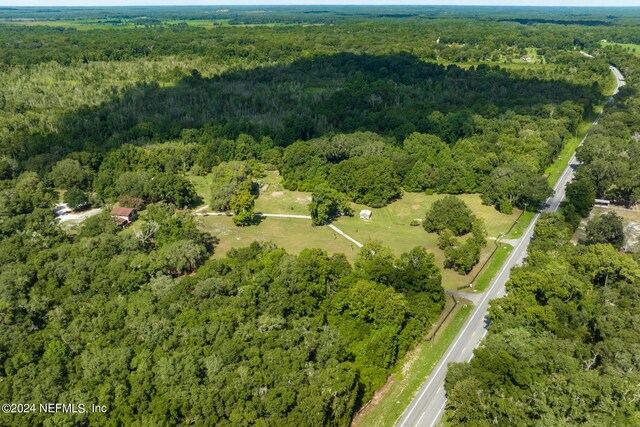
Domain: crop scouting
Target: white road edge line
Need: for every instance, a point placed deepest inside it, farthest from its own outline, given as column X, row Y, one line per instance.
column 437, row 413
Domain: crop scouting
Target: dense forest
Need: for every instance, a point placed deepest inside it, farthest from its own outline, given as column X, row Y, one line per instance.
column 260, row 334
column 562, row 347
column 432, row 127
column 357, row 105
column 612, row 151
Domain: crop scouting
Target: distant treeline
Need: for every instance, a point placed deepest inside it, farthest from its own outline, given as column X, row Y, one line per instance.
column 327, row 14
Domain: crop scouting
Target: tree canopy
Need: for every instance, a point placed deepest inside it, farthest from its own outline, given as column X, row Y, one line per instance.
column 565, row 331
column 135, row 105
column 606, row 228
column 327, row 204
column 449, row 213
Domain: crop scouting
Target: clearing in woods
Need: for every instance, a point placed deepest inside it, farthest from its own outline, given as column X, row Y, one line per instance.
column 391, row 225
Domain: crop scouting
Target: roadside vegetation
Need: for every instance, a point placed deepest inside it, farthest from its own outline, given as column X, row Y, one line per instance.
column 405, row 382
column 178, row 316
column 571, row 278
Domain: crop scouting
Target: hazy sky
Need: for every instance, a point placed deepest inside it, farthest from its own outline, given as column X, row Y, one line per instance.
column 574, row 3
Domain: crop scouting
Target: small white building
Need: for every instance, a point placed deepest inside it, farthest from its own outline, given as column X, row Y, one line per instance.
column 365, row 214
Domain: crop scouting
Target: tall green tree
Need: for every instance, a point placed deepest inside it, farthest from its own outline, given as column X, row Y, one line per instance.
column 519, row 185
column 581, row 193
column 69, row 173
column 76, row 198
column 327, row 204
column 229, row 178
column 607, row 228
column 449, row 213
column 242, row 205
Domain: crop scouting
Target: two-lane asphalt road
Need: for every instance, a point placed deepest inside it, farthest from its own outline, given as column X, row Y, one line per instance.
column 428, row 405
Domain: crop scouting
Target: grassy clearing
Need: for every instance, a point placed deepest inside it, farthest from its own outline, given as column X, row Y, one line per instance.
column 628, row 216
column 80, row 24
column 633, row 48
column 202, row 185
column 407, row 380
column 513, row 65
column 293, row 235
column 93, row 24
column 487, row 275
column 390, row 225
column 275, row 199
column 207, row 23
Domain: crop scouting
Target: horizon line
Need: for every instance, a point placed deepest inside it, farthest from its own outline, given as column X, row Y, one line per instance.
column 325, row 5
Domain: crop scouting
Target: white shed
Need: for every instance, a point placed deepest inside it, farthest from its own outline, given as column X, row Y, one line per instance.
column 365, row 214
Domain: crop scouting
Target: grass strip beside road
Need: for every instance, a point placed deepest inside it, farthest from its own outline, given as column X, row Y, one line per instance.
column 557, row 168
column 554, row 172
column 520, row 226
column 405, row 386
column 487, row 275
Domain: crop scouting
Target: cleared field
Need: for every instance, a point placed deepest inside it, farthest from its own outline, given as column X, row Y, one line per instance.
column 79, row 24
column 92, row 24
column 390, row 225
column 634, row 48
column 628, row 216
column 202, row 185
column 291, row 234
column 275, row 199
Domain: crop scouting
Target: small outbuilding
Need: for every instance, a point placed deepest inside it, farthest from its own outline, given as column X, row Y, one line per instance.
column 124, row 216
column 365, row 214
column 603, row 202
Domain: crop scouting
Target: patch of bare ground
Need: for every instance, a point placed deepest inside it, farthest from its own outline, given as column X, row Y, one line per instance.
column 374, row 401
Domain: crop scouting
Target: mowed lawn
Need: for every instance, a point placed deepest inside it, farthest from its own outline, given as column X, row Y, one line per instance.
column 634, row 48
column 391, row 226
column 275, row 199
column 291, row 234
